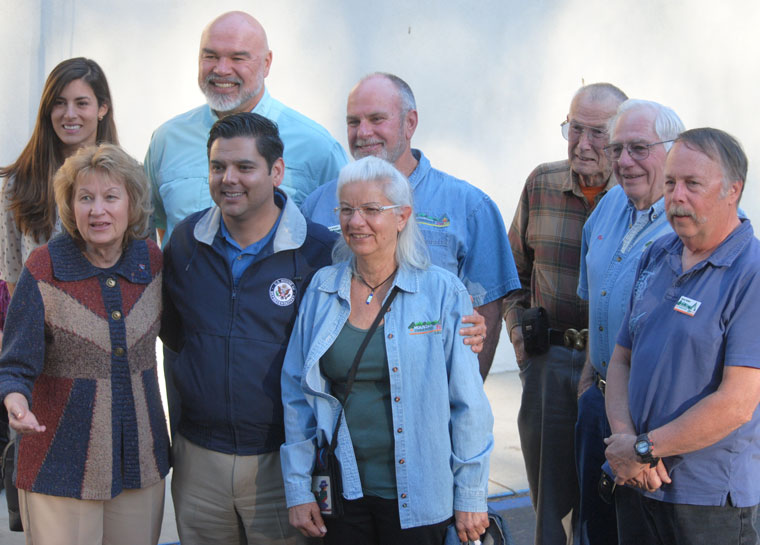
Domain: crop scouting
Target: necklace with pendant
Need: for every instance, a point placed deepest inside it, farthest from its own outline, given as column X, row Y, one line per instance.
column 373, row 288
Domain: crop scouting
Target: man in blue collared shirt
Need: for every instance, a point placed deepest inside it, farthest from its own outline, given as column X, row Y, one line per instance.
column 462, row 226
column 234, row 60
column 683, row 384
column 626, row 221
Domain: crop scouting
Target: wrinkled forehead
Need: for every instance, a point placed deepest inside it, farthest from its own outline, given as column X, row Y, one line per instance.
column 592, row 112
column 636, row 125
column 362, row 191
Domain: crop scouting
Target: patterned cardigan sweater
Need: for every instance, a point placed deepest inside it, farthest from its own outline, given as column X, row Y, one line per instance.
column 80, row 344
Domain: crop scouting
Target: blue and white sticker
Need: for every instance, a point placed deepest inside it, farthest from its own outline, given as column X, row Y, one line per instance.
column 282, row 292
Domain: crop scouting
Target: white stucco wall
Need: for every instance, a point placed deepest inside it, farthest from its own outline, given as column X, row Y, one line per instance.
column 493, row 78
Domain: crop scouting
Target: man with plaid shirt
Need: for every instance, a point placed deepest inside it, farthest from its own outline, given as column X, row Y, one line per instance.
column 545, row 237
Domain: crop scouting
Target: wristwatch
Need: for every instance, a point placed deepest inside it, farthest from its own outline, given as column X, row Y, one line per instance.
column 643, row 449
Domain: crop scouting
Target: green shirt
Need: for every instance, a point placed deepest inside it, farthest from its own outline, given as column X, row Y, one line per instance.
column 368, row 411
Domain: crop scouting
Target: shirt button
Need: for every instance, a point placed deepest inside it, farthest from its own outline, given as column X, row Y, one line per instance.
column 604, row 364
column 604, row 292
column 403, row 495
column 390, row 335
column 402, row 461
column 400, row 430
column 618, row 258
column 601, row 328
column 395, row 369
column 116, row 315
column 396, row 399
column 118, row 351
column 239, row 257
column 403, row 505
column 111, row 282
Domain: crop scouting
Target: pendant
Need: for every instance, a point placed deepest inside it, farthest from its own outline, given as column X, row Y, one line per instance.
column 369, row 297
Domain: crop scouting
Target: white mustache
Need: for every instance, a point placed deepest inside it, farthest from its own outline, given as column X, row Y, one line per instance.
column 211, row 78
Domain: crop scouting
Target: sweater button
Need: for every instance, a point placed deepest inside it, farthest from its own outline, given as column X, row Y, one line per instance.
column 111, row 282
column 116, row 315
column 118, row 351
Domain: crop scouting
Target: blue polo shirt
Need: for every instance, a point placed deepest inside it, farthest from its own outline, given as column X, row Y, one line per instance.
column 683, row 328
column 614, row 237
column 177, row 164
column 242, row 258
column 462, row 226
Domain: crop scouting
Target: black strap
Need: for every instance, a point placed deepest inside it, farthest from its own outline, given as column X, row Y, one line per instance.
column 357, row 358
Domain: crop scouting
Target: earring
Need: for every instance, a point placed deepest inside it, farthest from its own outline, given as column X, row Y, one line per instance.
column 100, row 118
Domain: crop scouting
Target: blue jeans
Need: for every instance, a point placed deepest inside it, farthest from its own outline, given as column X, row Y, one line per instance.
column 596, row 519
column 546, row 422
column 681, row 524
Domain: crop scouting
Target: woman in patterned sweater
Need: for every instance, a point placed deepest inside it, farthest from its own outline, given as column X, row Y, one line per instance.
column 78, row 367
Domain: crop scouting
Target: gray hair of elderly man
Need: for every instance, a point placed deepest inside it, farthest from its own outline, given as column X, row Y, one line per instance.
column 667, row 124
column 722, row 148
column 411, row 251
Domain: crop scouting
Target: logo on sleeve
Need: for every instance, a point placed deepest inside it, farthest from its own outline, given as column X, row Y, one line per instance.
column 420, row 328
column 282, row 292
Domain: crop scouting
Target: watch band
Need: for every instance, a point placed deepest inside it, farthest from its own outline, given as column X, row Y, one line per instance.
column 645, row 456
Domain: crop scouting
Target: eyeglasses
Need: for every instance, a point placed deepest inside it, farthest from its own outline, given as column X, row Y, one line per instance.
column 576, row 130
column 367, row 211
column 638, row 151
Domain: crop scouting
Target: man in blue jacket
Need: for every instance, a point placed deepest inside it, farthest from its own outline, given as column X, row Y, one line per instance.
column 233, row 278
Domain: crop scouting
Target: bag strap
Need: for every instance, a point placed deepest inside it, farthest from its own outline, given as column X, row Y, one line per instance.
column 357, row 358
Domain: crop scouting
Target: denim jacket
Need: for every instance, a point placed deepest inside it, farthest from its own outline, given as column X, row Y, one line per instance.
column 442, row 420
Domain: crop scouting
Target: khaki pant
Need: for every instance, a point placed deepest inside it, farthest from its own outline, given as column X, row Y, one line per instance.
column 226, row 498
column 131, row 518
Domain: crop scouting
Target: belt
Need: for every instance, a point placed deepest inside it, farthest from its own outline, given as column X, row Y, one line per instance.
column 600, row 382
column 571, row 338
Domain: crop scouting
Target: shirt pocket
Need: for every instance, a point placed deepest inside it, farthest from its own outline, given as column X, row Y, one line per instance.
column 442, row 248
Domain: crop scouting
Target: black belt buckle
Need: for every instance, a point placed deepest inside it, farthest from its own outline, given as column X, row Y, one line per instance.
column 606, row 488
column 576, row 339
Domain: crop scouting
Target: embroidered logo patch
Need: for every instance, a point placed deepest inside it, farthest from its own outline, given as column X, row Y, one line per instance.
column 432, row 221
column 420, row 328
column 282, row 292
column 687, row 306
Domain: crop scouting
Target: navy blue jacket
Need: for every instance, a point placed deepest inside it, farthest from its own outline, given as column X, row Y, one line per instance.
column 232, row 340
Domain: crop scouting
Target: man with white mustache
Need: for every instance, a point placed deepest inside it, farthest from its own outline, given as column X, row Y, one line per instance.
column 234, row 60
column 545, row 237
column 683, row 383
column 629, row 218
column 462, row 226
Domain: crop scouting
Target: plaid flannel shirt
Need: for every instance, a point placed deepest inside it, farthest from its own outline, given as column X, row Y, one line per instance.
column 545, row 237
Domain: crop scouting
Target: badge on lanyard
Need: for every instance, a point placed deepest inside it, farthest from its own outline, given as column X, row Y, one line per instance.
column 687, row 306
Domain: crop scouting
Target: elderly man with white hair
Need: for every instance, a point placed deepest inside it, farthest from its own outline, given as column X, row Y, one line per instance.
column 629, row 218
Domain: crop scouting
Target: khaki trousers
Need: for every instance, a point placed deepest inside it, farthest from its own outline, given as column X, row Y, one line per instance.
column 226, row 498
column 131, row 518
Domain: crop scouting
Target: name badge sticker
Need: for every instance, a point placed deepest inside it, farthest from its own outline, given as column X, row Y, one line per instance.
column 687, row 306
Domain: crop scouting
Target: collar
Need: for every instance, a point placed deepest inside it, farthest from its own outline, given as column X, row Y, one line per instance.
column 655, row 211
column 70, row 264
column 338, row 280
column 421, row 170
column 727, row 251
column 573, row 184
column 290, row 234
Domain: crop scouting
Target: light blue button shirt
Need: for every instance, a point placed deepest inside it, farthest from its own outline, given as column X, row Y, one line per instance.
column 613, row 241
column 177, row 161
column 462, row 226
column 442, row 421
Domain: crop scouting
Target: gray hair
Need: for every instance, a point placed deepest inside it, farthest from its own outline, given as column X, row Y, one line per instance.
column 405, row 92
column 667, row 124
column 722, row 148
column 601, row 91
column 411, row 251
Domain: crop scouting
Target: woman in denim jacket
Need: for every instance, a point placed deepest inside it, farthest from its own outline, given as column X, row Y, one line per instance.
column 416, row 435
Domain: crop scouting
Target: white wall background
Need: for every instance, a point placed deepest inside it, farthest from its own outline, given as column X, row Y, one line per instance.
column 493, row 78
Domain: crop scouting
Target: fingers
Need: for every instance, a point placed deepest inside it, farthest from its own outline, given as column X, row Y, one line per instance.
column 20, row 418
column 662, row 472
column 307, row 519
column 470, row 526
